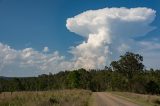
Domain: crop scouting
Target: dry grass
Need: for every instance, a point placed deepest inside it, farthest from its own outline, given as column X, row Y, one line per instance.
column 142, row 99
column 46, row 98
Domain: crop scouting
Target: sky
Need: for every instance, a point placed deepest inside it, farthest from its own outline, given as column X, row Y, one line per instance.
column 42, row 36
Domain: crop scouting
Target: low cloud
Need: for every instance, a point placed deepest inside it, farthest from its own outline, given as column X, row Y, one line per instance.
column 151, row 53
column 13, row 62
column 45, row 49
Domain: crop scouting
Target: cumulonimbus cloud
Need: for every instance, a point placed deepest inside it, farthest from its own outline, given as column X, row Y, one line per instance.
column 108, row 32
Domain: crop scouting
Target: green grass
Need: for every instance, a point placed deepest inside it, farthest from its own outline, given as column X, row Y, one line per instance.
column 141, row 99
column 46, row 98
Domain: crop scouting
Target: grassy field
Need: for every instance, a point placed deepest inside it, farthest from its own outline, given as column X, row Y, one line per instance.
column 143, row 100
column 46, row 98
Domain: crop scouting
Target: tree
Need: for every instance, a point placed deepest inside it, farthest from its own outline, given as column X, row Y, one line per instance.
column 129, row 64
column 73, row 79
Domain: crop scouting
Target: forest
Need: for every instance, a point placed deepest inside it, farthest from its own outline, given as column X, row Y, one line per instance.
column 126, row 74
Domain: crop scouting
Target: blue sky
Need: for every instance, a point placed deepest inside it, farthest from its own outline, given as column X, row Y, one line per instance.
column 39, row 23
column 42, row 23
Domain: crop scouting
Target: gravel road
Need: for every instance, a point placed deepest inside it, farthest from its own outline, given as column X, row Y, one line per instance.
column 108, row 99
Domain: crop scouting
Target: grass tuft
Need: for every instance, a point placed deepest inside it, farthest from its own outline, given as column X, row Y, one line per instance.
column 53, row 101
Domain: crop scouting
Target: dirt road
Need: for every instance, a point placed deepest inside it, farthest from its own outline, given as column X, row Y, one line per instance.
column 108, row 99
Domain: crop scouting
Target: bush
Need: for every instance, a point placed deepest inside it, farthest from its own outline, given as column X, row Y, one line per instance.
column 152, row 87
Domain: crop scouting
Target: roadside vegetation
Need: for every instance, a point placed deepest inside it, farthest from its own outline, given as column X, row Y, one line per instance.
column 141, row 99
column 46, row 98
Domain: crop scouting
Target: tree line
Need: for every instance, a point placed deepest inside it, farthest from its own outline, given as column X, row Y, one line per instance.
column 126, row 74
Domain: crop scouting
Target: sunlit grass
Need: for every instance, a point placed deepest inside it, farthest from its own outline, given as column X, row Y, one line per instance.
column 46, row 98
column 142, row 99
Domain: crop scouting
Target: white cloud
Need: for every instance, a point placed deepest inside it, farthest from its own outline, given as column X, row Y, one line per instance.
column 151, row 53
column 45, row 49
column 13, row 62
column 149, row 46
column 108, row 32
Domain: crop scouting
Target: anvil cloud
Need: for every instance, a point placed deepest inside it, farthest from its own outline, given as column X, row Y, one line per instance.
column 108, row 33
